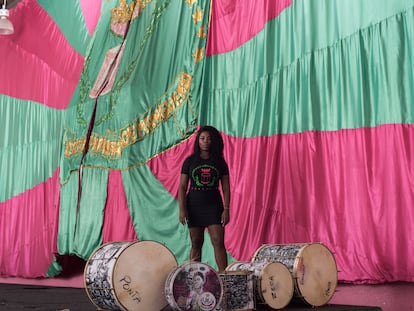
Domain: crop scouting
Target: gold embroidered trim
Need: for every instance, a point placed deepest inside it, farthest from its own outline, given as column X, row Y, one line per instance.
column 141, row 128
column 198, row 55
column 190, row 3
column 202, row 32
column 198, row 15
column 124, row 12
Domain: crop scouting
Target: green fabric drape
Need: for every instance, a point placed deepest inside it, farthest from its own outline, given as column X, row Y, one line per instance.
column 24, row 144
column 68, row 214
column 81, row 227
column 155, row 212
column 69, row 17
column 316, row 74
column 142, row 76
column 154, row 92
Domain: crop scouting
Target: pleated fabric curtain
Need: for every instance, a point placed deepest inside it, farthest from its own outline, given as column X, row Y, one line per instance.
column 317, row 108
column 315, row 103
column 314, row 100
column 40, row 67
column 138, row 95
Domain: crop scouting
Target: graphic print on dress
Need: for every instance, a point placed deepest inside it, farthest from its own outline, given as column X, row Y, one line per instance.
column 205, row 175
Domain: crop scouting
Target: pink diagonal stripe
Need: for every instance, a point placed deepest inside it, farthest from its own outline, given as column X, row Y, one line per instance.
column 234, row 22
column 117, row 222
column 91, row 11
column 29, row 223
column 37, row 62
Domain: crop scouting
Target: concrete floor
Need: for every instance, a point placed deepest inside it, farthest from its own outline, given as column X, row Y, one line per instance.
column 21, row 297
column 68, row 293
column 398, row 296
column 41, row 295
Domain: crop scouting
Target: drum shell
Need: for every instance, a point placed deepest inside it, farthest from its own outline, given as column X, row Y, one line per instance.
column 128, row 276
column 273, row 282
column 312, row 265
column 238, row 291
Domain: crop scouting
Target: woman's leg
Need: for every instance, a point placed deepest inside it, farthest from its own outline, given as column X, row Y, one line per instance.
column 217, row 239
column 197, row 241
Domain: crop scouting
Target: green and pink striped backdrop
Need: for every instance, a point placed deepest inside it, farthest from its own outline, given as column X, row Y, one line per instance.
column 314, row 99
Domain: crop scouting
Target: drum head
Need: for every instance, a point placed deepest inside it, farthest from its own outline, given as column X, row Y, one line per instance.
column 316, row 274
column 276, row 285
column 139, row 275
column 194, row 286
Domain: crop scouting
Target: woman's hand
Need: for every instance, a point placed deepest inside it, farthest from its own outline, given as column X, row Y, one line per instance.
column 183, row 218
column 225, row 217
column 182, row 190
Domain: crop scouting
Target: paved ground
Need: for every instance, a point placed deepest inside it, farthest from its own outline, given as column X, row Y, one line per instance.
column 28, row 297
column 14, row 297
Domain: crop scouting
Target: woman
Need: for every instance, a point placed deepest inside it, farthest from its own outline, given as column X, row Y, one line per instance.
column 196, row 291
column 203, row 206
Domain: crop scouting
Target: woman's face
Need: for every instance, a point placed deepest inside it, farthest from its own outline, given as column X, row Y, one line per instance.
column 198, row 281
column 204, row 141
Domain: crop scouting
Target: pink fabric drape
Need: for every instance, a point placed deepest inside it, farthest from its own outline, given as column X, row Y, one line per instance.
column 46, row 67
column 349, row 189
column 38, row 65
column 29, row 230
column 235, row 22
column 117, row 221
column 91, row 11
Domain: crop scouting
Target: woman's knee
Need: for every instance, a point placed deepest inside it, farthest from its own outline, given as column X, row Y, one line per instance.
column 197, row 240
column 216, row 236
column 217, row 242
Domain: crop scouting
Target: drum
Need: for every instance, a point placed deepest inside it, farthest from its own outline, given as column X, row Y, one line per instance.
column 238, row 291
column 312, row 265
column 193, row 286
column 128, row 275
column 273, row 282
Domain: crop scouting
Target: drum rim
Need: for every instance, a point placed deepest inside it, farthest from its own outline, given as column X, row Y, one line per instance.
column 296, row 277
column 230, row 265
column 171, row 277
column 233, row 272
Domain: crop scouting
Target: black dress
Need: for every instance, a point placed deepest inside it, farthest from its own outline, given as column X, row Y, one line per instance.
column 204, row 201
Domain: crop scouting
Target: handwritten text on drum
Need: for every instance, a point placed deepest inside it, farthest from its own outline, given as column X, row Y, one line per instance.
column 126, row 286
column 273, row 288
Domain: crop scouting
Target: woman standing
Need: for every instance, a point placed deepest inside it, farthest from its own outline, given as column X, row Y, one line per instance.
column 202, row 207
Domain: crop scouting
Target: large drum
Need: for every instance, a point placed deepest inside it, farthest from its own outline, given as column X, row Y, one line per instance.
column 238, row 291
column 312, row 265
column 193, row 286
column 128, row 276
column 273, row 282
